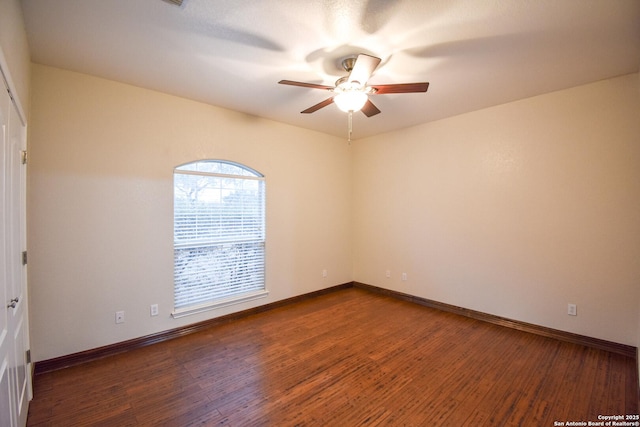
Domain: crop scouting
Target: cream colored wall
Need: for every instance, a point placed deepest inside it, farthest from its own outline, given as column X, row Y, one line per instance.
column 13, row 42
column 514, row 210
column 100, row 205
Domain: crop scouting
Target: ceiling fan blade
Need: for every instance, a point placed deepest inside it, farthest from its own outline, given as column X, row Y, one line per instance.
column 302, row 84
column 401, row 88
column 369, row 109
column 363, row 68
column 318, row 106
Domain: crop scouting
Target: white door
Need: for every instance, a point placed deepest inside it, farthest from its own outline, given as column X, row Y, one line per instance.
column 18, row 324
column 6, row 348
column 15, row 375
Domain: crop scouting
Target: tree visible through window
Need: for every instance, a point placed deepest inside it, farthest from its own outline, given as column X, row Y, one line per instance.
column 219, row 236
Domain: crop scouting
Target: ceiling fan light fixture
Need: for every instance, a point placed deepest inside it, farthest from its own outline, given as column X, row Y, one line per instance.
column 350, row 100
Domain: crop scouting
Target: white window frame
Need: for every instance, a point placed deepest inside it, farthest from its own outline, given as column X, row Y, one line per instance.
column 210, row 238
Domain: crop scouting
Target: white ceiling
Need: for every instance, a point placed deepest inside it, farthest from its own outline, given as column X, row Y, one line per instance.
column 232, row 53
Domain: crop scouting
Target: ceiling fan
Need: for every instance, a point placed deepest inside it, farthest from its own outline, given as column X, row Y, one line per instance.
column 351, row 92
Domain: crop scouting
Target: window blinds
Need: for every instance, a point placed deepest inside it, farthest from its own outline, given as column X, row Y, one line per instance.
column 219, row 238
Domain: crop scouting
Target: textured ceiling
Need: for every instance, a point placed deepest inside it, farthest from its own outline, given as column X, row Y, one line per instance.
column 232, row 53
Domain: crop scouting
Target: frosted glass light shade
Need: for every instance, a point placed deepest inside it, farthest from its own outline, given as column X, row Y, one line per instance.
column 350, row 101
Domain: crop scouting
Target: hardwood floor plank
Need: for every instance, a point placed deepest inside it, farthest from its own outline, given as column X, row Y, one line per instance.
column 347, row 358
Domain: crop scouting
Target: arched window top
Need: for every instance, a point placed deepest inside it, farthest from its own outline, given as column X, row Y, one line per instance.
column 219, row 167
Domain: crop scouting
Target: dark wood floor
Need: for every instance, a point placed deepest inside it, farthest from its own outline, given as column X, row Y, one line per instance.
column 348, row 358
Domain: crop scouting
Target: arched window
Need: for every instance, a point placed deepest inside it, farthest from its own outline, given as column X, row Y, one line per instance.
column 219, row 235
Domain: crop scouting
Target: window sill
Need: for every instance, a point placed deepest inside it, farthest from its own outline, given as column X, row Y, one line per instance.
column 236, row 299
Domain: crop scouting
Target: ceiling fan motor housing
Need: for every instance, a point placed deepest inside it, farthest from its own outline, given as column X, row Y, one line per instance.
column 348, row 63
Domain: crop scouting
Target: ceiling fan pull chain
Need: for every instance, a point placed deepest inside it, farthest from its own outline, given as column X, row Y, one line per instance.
column 350, row 125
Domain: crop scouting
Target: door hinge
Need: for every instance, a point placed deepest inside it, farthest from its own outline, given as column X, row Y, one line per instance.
column 24, row 258
column 23, row 157
column 28, row 356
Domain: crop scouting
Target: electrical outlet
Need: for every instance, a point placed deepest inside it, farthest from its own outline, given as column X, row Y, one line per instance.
column 404, row 277
column 388, row 273
column 572, row 310
column 154, row 309
column 119, row 316
column 324, row 273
